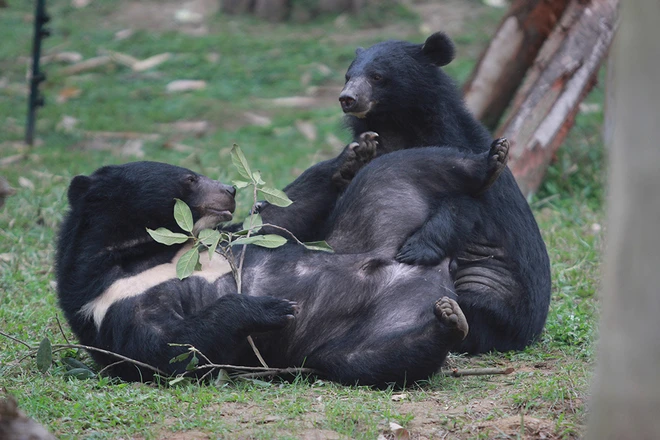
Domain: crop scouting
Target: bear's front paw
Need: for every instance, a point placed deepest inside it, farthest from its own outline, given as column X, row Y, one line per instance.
column 418, row 254
column 274, row 313
column 357, row 155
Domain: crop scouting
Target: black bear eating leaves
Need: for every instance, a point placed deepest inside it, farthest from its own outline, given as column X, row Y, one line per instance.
column 360, row 316
column 398, row 90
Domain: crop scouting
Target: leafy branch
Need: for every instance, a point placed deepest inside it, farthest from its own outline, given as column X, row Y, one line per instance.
column 79, row 370
column 223, row 242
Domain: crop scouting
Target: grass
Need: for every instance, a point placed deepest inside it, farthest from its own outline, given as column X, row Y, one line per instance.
column 246, row 63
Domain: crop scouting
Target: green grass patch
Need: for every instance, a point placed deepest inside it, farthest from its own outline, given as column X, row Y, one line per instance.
column 246, row 64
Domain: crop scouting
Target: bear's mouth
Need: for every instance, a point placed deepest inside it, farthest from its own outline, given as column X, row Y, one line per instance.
column 223, row 215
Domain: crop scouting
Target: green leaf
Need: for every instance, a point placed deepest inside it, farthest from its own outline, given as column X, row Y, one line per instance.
column 72, row 363
column 192, row 364
column 176, row 380
column 253, row 222
column 240, row 184
column 80, row 373
column 275, row 196
column 44, row 355
column 182, row 357
column 186, row 264
column 210, row 238
column 240, row 162
column 183, row 215
column 256, row 176
column 318, row 246
column 267, row 241
column 165, row 236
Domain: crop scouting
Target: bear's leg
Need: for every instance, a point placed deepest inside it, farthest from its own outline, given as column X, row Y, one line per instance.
column 439, row 236
column 380, row 352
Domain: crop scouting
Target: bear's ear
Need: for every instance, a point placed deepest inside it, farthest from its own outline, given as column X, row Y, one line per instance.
column 359, row 50
column 78, row 188
column 439, row 49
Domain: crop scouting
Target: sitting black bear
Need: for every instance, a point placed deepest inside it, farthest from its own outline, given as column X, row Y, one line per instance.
column 398, row 90
column 361, row 316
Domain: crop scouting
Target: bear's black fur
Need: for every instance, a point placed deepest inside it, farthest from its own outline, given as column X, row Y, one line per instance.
column 362, row 317
column 502, row 280
column 103, row 243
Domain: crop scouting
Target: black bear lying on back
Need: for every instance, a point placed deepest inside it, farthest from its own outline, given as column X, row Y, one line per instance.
column 361, row 316
column 397, row 89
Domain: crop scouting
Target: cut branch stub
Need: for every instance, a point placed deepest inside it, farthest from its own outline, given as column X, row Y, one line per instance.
column 564, row 72
column 502, row 66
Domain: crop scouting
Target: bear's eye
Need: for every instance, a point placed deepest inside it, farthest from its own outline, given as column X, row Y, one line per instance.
column 191, row 178
column 348, row 77
column 376, row 76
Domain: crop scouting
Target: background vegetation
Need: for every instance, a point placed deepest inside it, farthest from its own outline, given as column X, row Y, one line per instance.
column 248, row 67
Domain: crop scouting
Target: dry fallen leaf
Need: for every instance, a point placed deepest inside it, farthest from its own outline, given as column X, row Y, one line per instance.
column 80, row 3
column 62, row 57
column 151, row 62
column 133, row 147
column 307, row 129
column 399, row 397
column 400, row 433
column 123, row 34
column 186, row 16
column 185, row 85
column 294, row 101
column 255, row 119
column 67, row 124
column 213, row 57
column 67, row 93
column 26, row 183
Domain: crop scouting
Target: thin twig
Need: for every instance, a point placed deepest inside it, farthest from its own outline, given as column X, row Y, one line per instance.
column 57, row 318
column 16, row 340
column 285, row 230
column 110, row 353
column 275, row 372
column 476, row 372
column 107, row 367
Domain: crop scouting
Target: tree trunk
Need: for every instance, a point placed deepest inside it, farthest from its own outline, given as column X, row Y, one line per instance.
column 502, row 66
column 271, row 10
column 564, row 72
column 279, row 10
column 626, row 389
column 237, row 6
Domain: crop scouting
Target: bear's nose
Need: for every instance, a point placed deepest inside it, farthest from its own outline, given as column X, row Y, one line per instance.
column 231, row 190
column 347, row 101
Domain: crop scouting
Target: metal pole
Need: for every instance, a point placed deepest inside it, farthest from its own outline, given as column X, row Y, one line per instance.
column 36, row 77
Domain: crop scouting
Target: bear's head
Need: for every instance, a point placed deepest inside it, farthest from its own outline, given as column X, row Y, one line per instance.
column 118, row 202
column 395, row 75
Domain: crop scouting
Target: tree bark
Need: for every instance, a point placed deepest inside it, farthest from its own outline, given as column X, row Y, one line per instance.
column 564, row 72
column 626, row 387
column 271, row 10
column 279, row 10
column 502, row 66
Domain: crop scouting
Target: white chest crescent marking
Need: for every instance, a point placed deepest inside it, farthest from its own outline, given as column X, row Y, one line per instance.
column 138, row 284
